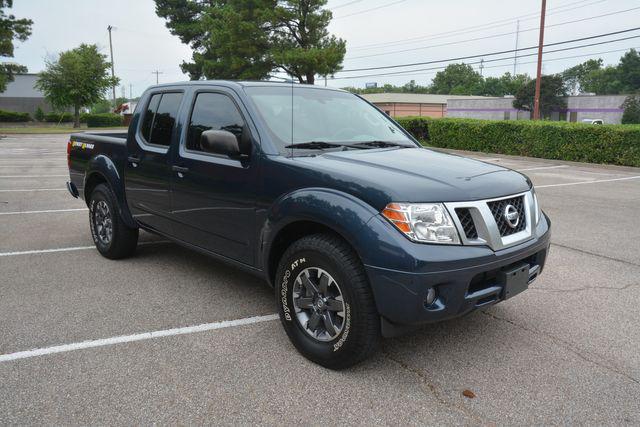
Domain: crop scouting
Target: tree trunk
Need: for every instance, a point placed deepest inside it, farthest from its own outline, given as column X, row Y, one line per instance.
column 311, row 78
column 76, row 116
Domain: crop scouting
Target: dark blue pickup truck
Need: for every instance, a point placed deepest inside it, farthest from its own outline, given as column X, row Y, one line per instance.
column 361, row 232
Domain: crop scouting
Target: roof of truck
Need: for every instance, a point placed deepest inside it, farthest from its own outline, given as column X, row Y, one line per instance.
column 237, row 83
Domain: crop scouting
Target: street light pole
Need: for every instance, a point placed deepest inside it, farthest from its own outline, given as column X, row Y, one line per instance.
column 113, row 74
column 536, row 101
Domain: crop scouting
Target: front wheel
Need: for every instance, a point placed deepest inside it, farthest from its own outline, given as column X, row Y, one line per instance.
column 325, row 302
column 112, row 237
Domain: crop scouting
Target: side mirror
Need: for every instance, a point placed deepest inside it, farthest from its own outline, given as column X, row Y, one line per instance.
column 220, row 142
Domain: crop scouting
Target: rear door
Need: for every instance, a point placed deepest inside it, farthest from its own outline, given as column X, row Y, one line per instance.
column 214, row 196
column 148, row 172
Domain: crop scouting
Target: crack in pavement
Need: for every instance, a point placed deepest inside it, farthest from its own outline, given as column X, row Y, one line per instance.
column 565, row 344
column 595, row 254
column 586, row 288
column 422, row 378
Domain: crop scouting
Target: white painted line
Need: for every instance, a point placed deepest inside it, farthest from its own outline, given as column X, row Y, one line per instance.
column 32, row 189
column 45, row 211
column 543, row 167
column 31, row 176
column 71, row 249
column 136, row 337
column 588, row 182
column 487, row 160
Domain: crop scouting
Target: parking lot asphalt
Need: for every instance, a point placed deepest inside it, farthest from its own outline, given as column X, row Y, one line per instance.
column 567, row 351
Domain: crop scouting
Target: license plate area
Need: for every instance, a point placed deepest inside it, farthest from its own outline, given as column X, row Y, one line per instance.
column 514, row 280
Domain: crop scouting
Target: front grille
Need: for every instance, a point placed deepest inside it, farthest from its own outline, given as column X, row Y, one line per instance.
column 468, row 226
column 498, row 211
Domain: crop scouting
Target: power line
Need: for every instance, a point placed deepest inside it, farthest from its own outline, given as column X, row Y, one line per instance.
column 370, row 10
column 476, row 28
column 349, row 3
column 441, row 67
column 496, row 35
column 487, row 54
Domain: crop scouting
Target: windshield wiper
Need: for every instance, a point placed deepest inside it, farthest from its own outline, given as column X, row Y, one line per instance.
column 380, row 144
column 318, row 145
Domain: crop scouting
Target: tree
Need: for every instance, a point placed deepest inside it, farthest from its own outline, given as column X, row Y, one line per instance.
column 577, row 77
column 506, row 84
column 250, row 39
column 11, row 28
column 631, row 106
column 77, row 78
column 457, row 79
column 611, row 80
column 552, row 95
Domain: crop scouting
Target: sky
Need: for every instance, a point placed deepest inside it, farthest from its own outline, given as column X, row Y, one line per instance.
column 378, row 33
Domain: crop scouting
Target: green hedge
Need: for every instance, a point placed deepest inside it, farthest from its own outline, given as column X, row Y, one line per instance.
column 103, row 120
column 12, row 116
column 613, row 144
column 58, row 117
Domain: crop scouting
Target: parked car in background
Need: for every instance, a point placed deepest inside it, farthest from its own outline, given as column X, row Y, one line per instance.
column 593, row 121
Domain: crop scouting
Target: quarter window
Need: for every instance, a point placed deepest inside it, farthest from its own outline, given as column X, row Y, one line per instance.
column 213, row 111
column 160, row 118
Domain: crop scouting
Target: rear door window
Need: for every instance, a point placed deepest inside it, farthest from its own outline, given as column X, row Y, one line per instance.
column 160, row 118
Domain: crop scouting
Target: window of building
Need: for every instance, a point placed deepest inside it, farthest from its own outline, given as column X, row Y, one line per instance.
column 213, row 111
column 573, row 116
column 160, row 118
column 507, row 115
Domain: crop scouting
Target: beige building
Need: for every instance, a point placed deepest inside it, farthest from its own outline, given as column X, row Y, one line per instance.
column 412, row 104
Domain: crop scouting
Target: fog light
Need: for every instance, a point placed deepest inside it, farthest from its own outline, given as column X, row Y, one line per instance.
column 431, row 297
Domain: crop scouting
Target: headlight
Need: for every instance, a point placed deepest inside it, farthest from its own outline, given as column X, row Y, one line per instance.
column 423, row 222
column 536, row 207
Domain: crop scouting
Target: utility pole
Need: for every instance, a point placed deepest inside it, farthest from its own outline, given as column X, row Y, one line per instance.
column 130, row 92
column 481, row 65
column 536, row 101
column 113, row 74
column 515, row 54
column 157, row 73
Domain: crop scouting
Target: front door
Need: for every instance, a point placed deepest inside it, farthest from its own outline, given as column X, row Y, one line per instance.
column 214, row 195
column 148, row 170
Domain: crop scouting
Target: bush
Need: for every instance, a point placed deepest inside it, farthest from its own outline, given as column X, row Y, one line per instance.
column 58, row 117
column 39, row 114
column 103, row 120
column 631, row 114
column 12, row 116
column 614, row 144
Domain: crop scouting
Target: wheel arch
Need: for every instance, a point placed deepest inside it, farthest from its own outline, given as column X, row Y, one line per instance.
column 102, row 170
column 307, row 212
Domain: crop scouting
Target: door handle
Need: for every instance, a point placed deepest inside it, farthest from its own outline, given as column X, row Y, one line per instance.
column 180, row 170
column 133, row 160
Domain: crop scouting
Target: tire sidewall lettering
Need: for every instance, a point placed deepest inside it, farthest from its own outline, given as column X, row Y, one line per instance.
column 284, row 288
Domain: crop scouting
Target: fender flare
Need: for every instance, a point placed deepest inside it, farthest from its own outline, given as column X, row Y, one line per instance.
column 341, row 212
column 104, row 167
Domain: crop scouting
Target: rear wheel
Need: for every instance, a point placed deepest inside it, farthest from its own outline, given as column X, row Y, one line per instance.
column 325, row 302
column 112, row 237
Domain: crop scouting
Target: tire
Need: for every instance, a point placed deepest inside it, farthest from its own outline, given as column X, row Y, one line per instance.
column 334, row 267
column 112, row 237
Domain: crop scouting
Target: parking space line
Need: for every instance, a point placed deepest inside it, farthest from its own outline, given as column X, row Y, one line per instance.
column 543, row 167
column 32, row 189
column 32, row 176
column 136, row 337
column 588, row 182
column 71, row 249
column 45, row 211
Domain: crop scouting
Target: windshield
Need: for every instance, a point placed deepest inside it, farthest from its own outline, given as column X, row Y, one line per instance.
column 319, row 115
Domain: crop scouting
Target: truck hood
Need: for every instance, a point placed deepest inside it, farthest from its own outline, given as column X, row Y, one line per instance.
column 380, row 176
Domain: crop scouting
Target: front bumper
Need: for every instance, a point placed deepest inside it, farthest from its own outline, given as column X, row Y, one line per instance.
column 466, row 278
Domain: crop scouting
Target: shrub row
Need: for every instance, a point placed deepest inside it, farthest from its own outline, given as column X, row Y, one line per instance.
column 103, row 120
column 12, row 116
column 613, row 144
column 58, row 117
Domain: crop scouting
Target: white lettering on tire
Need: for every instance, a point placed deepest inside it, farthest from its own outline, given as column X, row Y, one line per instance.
column 284, row 286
